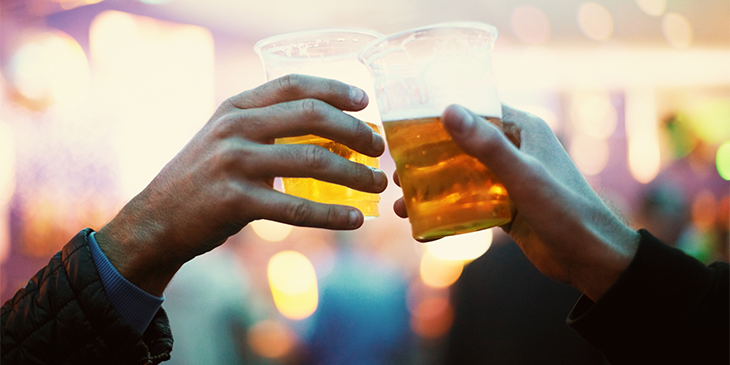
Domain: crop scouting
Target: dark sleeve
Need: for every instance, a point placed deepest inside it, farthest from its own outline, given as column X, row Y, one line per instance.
column 665, row 308
column 63, row 316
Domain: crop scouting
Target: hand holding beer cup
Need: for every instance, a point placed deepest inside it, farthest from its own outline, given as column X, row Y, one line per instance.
column 417, row 74
column 332, row 54
column 560, row 223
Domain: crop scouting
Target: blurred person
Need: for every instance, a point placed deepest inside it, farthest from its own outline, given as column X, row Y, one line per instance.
column 507, row 312
column 642, row 301
column 98, row 301
column 663, row 211
column 209, row 304
column 362, row 317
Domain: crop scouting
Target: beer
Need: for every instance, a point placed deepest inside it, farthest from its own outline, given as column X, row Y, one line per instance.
column 446, row 191
column 328, row 193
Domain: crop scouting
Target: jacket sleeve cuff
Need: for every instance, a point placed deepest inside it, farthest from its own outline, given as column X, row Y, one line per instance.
column 135, row 306
column 646, row 306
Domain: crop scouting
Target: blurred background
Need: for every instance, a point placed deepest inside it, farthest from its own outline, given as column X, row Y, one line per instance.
column 97, row 95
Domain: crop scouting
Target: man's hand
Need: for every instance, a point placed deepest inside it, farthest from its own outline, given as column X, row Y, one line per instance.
column 558, row 220
column 223, row 178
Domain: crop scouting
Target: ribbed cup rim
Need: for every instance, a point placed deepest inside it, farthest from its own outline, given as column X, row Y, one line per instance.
column 492, row 30
column 260, row 45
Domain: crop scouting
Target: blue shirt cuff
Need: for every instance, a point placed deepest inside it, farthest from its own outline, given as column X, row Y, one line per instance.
column 135, row 306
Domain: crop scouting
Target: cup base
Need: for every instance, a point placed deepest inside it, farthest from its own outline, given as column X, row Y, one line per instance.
column 459, row 220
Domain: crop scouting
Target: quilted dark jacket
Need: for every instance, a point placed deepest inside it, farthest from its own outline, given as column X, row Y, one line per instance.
column 63, row 316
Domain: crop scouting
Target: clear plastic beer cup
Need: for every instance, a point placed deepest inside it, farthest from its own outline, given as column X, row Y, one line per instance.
column 417, row 74
column 332, row 54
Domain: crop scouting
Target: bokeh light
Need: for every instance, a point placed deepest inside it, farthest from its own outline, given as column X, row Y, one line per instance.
column 530, row 25
column 642, row 134
column 722, row 160
column 594, row 115
column 7, row 164
column 270, row 230
column 704, row 210
column 710, row 120
column 595, row 21
column 652, row 7
column 293, row 284
column 51, row 68
column 158, row 79
column 271, row 339
column 7, row 186
column 432, row 318
column 590, row 154
column 677, row 30
column 464, row 247
column 439, row 273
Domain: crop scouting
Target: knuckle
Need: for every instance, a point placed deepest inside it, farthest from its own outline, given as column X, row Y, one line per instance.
column 300, row 213
column 291, row 83
column 313, row 108
column 238, row 124
column 314, row 157
column 363, row 131
column 363, row 176
column 332, row 216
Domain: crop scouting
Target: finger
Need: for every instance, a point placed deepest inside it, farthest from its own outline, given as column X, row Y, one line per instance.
column 284, row 208
column 303, row 117
column 305, row 160
column 399, row 207
column 484, row 141
column 296, row 87
column 396, row 179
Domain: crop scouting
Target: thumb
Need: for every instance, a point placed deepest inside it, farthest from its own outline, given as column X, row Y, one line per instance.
column 483, row 140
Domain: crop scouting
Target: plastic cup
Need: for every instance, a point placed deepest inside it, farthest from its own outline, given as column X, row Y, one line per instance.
column 332, row 54
column 417, row 74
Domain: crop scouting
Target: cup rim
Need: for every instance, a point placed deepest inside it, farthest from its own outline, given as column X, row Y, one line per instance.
column 258, row 47
column 491, row 29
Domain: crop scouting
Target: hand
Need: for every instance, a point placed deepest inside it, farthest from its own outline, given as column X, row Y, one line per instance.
column 558, row 220
column 223, row 178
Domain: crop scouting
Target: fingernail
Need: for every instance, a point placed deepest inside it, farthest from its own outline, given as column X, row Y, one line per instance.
column 378, row 143
column 356, row 95
column 467, row 120
column 354, row 218
column 379, row 177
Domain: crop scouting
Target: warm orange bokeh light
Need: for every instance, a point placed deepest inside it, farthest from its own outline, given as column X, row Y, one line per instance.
column 293, row 284
column 155, row 79
column 438, row 273
column 432, row 318
column 465, row 247
column 271, row 339
column 595, row 21
column 51, row 68
column 677, row 30
column 642, row 134
column 270, row 230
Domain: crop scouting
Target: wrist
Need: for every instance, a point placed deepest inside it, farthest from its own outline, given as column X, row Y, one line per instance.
column 133, row 246
column 608, row 256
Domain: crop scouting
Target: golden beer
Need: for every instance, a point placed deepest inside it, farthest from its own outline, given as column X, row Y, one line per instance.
column 328, row 193
column 446, row 191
